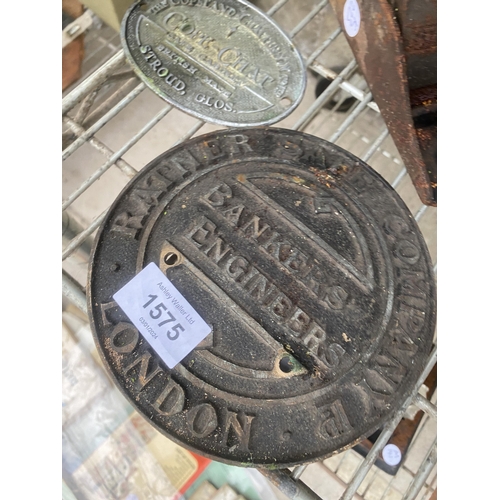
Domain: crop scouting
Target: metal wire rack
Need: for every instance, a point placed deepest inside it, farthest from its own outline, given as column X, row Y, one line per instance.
column 97, row 164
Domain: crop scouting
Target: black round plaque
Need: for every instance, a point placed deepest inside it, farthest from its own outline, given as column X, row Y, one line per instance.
column 312, row 273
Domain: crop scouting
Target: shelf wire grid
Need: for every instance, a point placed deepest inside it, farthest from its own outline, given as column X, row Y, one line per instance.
column 105, row 96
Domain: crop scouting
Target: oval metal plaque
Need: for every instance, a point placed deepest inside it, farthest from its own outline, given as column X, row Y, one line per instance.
column 225, row 62
column 309, row 268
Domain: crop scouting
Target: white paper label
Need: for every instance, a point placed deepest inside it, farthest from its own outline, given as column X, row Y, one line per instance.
column 163, row 316
column 352, row 17
column 391, row 454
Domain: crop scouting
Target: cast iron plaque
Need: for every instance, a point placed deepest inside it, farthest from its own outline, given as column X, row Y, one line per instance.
column 224, row 62
column 309, row 268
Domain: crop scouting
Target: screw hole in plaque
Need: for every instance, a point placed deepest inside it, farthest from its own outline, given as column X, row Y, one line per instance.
column 171, row 258
column 286, row 365
column 285, row 102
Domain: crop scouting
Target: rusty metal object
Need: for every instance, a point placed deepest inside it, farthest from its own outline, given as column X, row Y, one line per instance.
column 396, row 49
column 72, row 52
column 311, row 271
column 224, row 62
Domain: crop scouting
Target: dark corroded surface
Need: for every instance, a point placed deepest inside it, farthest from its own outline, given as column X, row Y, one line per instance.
column 312, row 272
column 225, row 62
column 396, row 49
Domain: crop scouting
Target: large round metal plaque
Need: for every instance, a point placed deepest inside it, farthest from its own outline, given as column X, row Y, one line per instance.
column 312, row 273
column 225, row 62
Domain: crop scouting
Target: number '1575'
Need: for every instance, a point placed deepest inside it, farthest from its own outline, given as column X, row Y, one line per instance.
column 160, row 310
